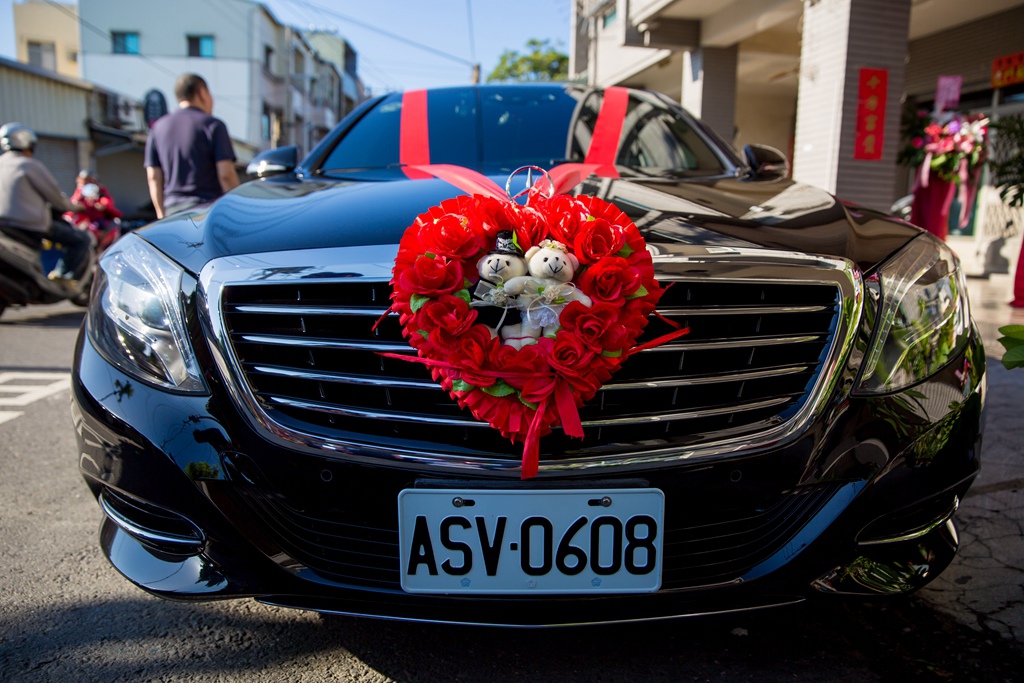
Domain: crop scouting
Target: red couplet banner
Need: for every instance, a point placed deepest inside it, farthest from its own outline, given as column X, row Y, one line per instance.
column 872, row 96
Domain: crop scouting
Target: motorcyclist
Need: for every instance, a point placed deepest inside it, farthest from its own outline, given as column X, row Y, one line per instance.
column 28, row 191
column 98, row 205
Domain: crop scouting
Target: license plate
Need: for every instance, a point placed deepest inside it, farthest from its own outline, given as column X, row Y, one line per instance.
column 529, row 542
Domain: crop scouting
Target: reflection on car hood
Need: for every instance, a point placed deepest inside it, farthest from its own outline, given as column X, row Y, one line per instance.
column 281, row 214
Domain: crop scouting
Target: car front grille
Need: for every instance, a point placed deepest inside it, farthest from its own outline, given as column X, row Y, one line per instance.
column 704, row 545
column 306, row 362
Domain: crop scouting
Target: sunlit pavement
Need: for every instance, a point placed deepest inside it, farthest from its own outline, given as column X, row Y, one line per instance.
column 984, row 588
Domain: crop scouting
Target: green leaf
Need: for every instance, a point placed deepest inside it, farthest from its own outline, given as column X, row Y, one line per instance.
column 1010, row 342
column 612, row 354
column 1014, row 355
column 638, row 293
column 531, row 406
column 417, row 301
column 461, row 385
column 625, row 251
column 1013, row 331
column 464, row 295
column 499, row 389
column 423, row 333
column 430, row 254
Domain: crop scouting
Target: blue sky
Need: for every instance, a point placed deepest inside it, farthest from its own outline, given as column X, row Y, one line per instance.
column 386, row 63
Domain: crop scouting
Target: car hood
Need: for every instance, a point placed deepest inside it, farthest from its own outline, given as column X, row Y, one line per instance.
column 287, row 213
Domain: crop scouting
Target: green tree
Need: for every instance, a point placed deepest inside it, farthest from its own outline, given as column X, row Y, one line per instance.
column 542, row 63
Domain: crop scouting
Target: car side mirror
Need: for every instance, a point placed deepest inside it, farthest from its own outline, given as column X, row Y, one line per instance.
column 765, row 163
column 274, row 162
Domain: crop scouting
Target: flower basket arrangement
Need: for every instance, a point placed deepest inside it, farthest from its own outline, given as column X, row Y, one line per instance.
column 947, row 151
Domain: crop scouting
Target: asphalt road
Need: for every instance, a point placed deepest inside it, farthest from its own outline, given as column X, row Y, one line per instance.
column 66, row 615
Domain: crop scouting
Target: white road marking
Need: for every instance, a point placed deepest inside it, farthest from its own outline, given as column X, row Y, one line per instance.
column 6, row 416
column 22, row 388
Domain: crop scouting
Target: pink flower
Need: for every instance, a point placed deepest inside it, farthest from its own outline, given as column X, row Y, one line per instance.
column 918, row 142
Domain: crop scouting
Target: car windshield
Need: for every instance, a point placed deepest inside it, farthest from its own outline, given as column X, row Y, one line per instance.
column 498, row 129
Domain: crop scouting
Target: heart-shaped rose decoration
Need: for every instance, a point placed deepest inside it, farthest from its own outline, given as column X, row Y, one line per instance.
column 523, row 378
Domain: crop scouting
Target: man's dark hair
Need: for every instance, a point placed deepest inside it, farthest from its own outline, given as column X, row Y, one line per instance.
column 187, row 87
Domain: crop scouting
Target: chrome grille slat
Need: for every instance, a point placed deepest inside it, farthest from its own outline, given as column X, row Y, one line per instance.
column 725, row 310
column 300, row 353
column 361, row 380
column 287, row 309
column 372, row 415
column 736, row 343
column 357, row 380
column 709, row 379
column 312, row 342
column 470, row 422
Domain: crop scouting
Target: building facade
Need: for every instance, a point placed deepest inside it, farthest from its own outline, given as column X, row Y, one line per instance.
column 791, row 73
column 270, row 84
column 47, row 36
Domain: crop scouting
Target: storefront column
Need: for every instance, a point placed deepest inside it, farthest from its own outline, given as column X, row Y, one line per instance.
column 841, row 144
column 709, row 87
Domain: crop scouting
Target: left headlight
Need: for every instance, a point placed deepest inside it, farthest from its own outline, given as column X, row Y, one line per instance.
column 136, row 319
column 921, row 317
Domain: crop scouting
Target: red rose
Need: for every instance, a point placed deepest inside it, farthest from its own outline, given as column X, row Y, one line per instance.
column 565, row 215
column 611, row 279
column 446, row 319
column 451, row 235
column 519, row 366
column 571, row 359
column 473, row 356
column 591, row 324
column 432, row 277
column 596, row 239
column 529, row 224
column 492, row 214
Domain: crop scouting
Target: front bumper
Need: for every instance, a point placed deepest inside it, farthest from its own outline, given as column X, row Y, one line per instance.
column 882, row 477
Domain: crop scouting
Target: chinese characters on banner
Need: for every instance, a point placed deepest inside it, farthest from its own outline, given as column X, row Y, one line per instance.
column 1008, row 70
column 871, row 100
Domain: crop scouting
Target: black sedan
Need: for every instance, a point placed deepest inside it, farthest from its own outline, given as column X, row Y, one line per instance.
column 800, row 417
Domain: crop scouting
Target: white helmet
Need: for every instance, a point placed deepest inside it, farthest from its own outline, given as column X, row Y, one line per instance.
column 17, row 136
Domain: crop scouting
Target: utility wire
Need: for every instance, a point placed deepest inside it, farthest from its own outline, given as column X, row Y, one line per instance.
column 375, row 29
column 152, row 62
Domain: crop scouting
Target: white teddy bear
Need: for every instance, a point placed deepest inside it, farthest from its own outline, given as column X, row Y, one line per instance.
column 543, row 293
column 496, row 268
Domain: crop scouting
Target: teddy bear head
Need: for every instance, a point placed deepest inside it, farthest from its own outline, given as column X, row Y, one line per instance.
column 501, row 266
column 504, row 262
column 550, row 260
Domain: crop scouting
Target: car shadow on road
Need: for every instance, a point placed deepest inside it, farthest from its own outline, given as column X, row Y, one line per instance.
column 144, row 638
column 66, row 319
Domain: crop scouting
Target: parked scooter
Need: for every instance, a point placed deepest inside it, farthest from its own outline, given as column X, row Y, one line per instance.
column 23, row 275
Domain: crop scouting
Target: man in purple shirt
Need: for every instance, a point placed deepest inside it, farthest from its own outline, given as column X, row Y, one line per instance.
column 189, row 158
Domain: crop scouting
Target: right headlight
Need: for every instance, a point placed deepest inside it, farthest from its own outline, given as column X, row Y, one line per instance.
column 136, row 319
column 921, row 317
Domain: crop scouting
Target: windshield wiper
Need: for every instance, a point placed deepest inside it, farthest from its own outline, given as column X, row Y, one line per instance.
column 356, row 169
